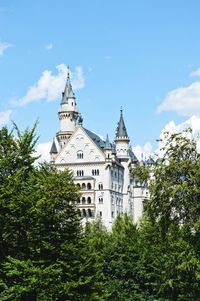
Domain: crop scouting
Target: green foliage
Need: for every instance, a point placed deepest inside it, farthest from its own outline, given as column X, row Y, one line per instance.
column 46, row 255
column 175, row 190
column 43, row 254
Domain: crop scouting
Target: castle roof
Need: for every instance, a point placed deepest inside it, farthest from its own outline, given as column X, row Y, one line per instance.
column 97, row 140
column 68, row 92
column 121, row 131
column 107, row 144
column 53, row 148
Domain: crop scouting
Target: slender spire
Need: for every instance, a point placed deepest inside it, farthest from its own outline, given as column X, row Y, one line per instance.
column 53, row 148
column 68, row 92
column 121, row 128
column 107, row 144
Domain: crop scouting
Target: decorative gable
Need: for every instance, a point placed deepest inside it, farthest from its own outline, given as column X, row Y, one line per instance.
column 80, row 148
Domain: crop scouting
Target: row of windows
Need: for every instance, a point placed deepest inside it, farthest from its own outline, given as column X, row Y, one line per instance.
column 95, row 172
column 83, row 186
column 86, row 213
column 84, row 200
column 116, row 174
column 115, row 186
column 118, row 201
column 80, row 173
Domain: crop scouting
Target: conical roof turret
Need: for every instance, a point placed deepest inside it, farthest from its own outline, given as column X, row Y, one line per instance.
column 107, row 144
column 68, row 92
column 53, row 148
column 121, row 128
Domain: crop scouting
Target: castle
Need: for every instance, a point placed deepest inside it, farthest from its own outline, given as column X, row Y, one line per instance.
column 101, row 169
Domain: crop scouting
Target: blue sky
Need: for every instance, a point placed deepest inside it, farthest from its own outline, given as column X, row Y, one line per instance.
column 142, row 55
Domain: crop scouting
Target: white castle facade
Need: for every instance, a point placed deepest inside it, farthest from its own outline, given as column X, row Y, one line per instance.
column 101, row 169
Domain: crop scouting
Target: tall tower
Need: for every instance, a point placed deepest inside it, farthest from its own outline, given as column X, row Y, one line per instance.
column 121, row 138
column 68, row 114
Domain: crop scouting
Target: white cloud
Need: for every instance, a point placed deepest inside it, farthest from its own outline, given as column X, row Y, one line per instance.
column 143, row 152
column 193, row 123
column 49, row 46
column 43, row 150
column 5, row 117
column 50, row 86
column 184, row 100
column 3, row 47
column 195, row 73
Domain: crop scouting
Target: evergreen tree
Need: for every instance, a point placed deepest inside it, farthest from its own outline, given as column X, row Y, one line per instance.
column 42, row 245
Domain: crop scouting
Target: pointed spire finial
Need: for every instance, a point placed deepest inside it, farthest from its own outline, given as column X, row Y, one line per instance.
column 68, row 72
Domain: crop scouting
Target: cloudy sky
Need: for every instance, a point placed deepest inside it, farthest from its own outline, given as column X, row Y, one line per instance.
column 142, row 55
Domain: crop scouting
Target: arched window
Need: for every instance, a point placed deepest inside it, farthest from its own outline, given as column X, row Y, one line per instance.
column 78, row 185
column 83, row 200
column 84, row 213
column 100, row 200
column 89, row 186
column 89, row 213
column 83, row 186
column 89, row 200
column 100, row 186
column 79, row 154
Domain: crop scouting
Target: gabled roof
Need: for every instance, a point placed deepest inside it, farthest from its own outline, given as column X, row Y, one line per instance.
column 97, row 140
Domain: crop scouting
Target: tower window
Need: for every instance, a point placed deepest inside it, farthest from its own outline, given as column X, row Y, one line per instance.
column 89, row 200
